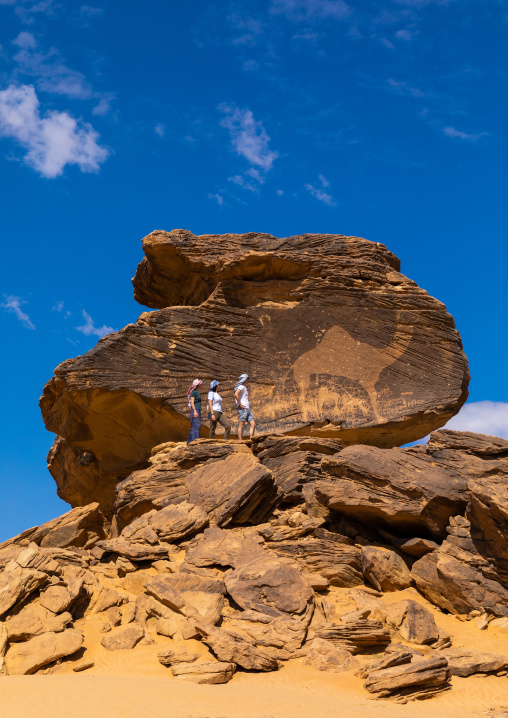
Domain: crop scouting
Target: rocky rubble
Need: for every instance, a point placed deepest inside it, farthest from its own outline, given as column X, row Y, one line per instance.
column 213, row 591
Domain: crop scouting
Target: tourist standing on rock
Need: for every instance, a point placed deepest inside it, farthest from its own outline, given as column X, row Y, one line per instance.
column 242, row 402
column 215, row 409
column 194, row 398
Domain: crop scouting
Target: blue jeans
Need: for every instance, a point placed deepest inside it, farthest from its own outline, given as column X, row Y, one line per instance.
column 195, row 426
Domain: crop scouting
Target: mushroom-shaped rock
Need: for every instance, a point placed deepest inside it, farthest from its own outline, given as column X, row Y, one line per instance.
column 338, row 343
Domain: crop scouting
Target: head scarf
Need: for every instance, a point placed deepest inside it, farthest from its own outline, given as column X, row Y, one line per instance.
column 240, row 381
column 213, row 385
column 194, row 384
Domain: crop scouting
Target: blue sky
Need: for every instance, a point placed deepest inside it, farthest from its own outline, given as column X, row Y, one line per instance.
column 385, row 120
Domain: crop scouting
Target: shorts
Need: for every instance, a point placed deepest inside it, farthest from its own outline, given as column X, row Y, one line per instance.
column 245, row 415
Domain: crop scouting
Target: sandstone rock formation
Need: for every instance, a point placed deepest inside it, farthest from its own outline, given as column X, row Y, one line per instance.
column 338, row 343
column 301, row 544
column 208, row 563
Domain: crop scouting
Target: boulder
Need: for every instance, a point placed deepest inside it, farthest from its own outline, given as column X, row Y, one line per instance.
column 403, row 489
column 466, row 663
column 396, row 676
column 418, row 547
column 33, row 620
column 135, row 551
column 206, row 672
column 270, row 585
column 16, row 583
column 414, row 622
column 340, row 343
column 190, row 594
column 82, row 526
column 234, row 648
column 220, row 547
column 337, row 562
column 26, row 658
column 173, row 523
column 488, row 516
column 222, row 478
column 58, row 598
column 174, row 656
column 457, row 578
column 325, row 656
column 123, row 637
column 354, row 636
column 281, row 637
column 385, row 570
column 293, row 461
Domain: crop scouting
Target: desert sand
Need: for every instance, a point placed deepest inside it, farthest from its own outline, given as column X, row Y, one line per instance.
column 132, row 684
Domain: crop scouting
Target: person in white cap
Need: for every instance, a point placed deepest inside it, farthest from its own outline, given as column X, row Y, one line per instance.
column 242, row 403
column 194, row 399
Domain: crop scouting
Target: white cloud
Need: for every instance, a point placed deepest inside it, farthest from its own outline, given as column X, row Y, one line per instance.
column 482, row 417
column 13, row 304
column 52, row 141
column 458, row 135
column 319, row 193
column 404, row 35
column 104, row 105
column 159, row 129
column 248, row 136
column 58, row 307
column 307, row 9
column 89, row 328
column 218, row 198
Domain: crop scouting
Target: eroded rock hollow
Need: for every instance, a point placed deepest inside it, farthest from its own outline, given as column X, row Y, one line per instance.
column 338, row 344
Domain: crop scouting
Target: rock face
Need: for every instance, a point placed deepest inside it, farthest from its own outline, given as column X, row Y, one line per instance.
column 338, row 344
column 457, row 578
column 225, row 480
column 401, row 489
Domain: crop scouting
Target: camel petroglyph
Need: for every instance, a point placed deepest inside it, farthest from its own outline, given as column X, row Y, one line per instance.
column 348, row 357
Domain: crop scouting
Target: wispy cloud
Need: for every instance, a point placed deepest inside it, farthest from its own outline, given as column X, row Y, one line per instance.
column 406, row 90
column 300, row 10
column 89, row 328
column 52, row 141
column 248, row 136
column 319, row 192
column 458, row 135
column 218, row 198
column 248, row 28
column 159, row 129
column 51, row 72
column 482, row 417
column 26, row 9
column 13, row 304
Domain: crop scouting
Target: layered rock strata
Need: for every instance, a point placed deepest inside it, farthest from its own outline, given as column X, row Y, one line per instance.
column 339, row 344
column 207, row 591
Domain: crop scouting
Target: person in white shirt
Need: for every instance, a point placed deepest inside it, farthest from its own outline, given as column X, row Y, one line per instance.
column 242, row 402
column 215, row 411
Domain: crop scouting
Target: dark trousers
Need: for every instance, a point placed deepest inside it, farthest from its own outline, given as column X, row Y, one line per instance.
column 195, row 426
column 221, row 419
